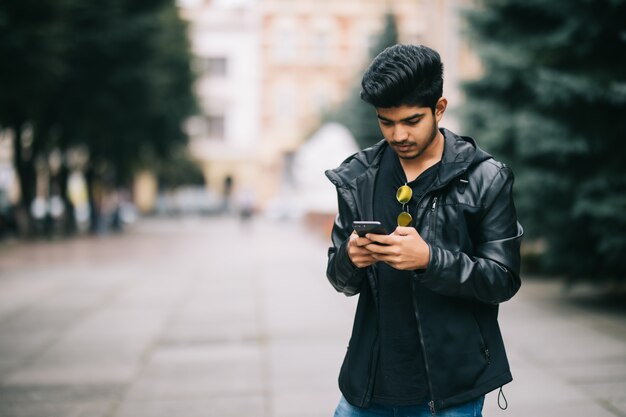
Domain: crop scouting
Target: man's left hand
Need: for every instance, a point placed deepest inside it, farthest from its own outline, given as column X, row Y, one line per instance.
column 404, row 249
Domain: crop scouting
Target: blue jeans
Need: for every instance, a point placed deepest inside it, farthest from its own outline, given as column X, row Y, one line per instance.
column 472, row 408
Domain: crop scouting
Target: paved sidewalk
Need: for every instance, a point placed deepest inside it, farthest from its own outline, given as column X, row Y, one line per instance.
column 203, row 317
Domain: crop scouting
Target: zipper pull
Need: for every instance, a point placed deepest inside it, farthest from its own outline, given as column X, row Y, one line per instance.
column 506, row 403
column 434, row 204
column 431, row 404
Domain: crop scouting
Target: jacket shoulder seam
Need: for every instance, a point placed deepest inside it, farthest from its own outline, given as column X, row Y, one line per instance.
column 501, row 167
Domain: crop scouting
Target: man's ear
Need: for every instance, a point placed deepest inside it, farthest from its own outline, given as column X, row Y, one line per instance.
column 440, row 108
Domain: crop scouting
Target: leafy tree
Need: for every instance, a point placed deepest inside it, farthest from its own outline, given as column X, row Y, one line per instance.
column 354, row 113
column 132, row 87
column 112, row 78
column 551, row 104
column 32, row 65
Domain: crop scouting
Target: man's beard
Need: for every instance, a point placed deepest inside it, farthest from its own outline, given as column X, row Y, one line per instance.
column 429, row 142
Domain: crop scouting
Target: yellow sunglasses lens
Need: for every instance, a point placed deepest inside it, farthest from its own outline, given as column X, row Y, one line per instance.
column 404, row 219
column 404, row 194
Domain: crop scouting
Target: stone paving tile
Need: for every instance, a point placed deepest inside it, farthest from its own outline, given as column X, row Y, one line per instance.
column 215, row 312
column 7, row 364
column 38, row 319
column 59, row 393
column 555, row 341
column 43, row 409
column 16, row 346
column 199, row 371
column 199, row 359
column 227, row 406
column 21, row 292
column 607, row 391
column 243, row 330
column 57, row 400
column 305, row 403
column 605, row 369
column 290, row 360
column 96, row 372
column 618, row 407
column 234, row 382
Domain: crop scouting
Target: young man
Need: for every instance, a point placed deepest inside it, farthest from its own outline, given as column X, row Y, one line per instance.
column 425, row 338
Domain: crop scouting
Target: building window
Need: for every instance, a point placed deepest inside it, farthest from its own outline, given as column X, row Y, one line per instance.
column 195, row 126
column 211, row 126
column 285, row 46
column 284, row 106
column 321, row 47
column 216, row 126
column 211, row 66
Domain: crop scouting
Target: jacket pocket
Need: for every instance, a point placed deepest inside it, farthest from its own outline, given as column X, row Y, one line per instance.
column 426, row 215
column 483, row 344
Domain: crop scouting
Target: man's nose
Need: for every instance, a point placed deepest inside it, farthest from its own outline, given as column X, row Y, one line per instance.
column 399, row 134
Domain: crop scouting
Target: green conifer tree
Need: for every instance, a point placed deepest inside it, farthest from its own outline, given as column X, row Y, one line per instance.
column 551, row 103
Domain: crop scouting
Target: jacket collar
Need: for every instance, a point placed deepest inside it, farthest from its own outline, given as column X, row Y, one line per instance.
column 459, row 153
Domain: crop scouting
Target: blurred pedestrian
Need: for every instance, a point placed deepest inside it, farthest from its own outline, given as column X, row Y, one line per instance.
column 425, row 338
column 246, row 202
column 227, row 190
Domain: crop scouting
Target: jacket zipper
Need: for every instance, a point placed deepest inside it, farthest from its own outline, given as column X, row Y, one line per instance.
column 431, row 403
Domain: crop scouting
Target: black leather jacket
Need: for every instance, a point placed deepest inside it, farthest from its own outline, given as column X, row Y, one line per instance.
column 469, row 221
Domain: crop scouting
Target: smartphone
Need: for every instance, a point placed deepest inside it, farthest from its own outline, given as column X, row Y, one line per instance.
column 363, row 227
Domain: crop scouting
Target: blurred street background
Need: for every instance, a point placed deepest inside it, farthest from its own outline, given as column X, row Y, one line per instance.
column 164, row 215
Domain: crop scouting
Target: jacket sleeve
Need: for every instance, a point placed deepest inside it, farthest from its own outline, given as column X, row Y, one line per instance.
column 491, row 273
column 341, row 272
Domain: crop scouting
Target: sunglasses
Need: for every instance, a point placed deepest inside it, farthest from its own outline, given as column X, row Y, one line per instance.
column 403, row 195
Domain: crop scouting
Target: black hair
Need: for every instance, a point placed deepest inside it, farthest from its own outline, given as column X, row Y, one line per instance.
column 404, row 74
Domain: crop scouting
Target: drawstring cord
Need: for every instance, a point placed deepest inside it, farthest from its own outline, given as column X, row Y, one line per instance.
column 506, row 403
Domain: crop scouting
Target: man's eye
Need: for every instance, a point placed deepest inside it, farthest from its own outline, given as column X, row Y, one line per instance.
column 384, row 123
column 412, row 122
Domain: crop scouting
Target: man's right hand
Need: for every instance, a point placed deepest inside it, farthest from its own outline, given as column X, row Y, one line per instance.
column 358, row 254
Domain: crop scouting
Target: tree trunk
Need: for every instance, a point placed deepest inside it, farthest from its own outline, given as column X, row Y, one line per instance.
column 69, row 223
column 94, row 203
column 24, row 164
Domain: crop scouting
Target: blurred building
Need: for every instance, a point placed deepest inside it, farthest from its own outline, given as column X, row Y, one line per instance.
column 270, row 68
column 224, row 39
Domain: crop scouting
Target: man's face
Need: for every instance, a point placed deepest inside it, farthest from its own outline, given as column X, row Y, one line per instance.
column 410, row 130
